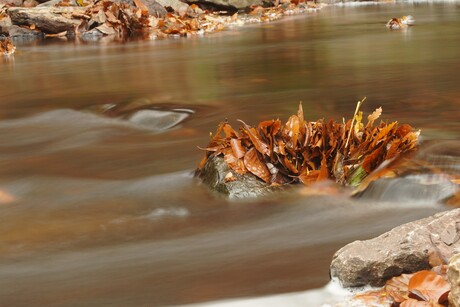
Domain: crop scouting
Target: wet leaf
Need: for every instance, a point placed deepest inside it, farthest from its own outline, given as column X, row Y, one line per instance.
column 429, row 285
column 238, row 149
column 415, row 303
column 347, row 152
column 323, row 171
column 256, row 166
column 258, row 144
column 398, row 286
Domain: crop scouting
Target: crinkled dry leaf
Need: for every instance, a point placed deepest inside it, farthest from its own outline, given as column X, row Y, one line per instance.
column 258, row 144
column 430, row 286
column 256, row 166
column 374, row 116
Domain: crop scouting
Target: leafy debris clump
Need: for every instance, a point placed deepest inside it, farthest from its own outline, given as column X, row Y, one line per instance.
column 306, row 152
column 6, row 46
column 421, row 289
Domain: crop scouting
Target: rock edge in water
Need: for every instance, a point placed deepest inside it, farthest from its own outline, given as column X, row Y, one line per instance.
column 407, row 248
column 216, row 172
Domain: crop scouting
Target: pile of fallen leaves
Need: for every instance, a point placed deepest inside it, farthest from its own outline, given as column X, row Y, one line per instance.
column 111, row 18
column 6, row 46
column 304, row 151
column 421, row 289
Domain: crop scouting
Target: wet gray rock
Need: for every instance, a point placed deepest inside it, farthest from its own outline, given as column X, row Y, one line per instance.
column 238, row 4
column 155, row 8
column 405, row 249
column 24, row 33
column 178, row 6
column 49, row 20
column 245, row 186
column 453, row 274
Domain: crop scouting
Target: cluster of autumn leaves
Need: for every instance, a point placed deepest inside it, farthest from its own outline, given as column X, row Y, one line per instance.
column 6, row 46
column 125, row 20
column 421, row 289
column 121, row 20
column 306, row 152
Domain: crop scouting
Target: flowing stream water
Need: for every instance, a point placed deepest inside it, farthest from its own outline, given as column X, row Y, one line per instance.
column 98, row 143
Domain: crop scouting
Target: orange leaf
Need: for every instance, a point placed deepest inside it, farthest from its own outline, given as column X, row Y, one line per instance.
column 237, row 148
column 255, row 166
column 258, row 144
column 323, row 171
column 236, row 164
column 384, row 133
column 397, row 287
column 429, row 284
column 229, row 131
column 309, row 177
column 414, row 303
column 292, row 129
column 141, row 5
column 374, row 159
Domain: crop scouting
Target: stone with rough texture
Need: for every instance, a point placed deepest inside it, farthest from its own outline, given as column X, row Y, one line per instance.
column 407, row 248
column 453, row 274
column 49, row 20
column 5, row 23
column 178, row 6
column 155, row 8
column 238, row 4
column 24, row 33
column 244, row 186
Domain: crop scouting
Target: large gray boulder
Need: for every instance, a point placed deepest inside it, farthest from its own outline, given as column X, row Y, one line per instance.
column 216, row 172
column 453, row 274
column 49, row 20
column 405, row 249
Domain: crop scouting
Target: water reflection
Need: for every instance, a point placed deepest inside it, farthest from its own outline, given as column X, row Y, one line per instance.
column 98, row 210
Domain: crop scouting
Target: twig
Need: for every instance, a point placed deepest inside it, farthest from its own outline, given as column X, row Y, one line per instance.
column 358, row 105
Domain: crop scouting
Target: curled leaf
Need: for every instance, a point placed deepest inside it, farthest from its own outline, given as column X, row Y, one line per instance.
column 429, row 285
column 253, row 163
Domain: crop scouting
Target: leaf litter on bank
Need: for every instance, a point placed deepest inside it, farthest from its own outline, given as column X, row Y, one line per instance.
column 306, row 152
column 422, row 288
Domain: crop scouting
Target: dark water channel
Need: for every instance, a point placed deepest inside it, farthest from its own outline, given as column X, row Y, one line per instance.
column 100, row 210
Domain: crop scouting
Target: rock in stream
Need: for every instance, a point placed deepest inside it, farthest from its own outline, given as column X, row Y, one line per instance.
column 405, row 249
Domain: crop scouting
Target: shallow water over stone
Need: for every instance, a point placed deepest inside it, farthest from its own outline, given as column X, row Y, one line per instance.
column 102, row 209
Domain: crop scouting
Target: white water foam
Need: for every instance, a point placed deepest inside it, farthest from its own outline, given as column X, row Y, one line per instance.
column 331, row 295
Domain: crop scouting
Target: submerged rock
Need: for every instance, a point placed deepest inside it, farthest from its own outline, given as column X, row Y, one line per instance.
column 453, row 274
column 407, row 248
column 221, row 178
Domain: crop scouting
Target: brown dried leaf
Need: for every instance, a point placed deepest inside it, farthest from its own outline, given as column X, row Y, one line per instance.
column 292, row 130
column 373, row 159
column 253, row 163
column 415, row 303
column 258, row 144
column 238, row 149
column 141, row 5
column 398, row 286
column 229, row 131
column 373, row 117
column 236, row 164
column 429, row 284
column 323, row 171
column 309, row 177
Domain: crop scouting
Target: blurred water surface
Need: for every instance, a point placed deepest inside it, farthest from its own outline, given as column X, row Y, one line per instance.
column 99, row 210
